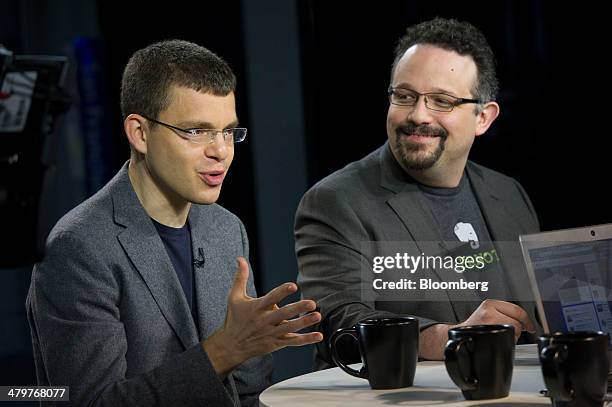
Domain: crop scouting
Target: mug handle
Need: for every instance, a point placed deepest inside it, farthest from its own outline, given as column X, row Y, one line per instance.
column 456, row 351
column 336, row 358
column 554, row 370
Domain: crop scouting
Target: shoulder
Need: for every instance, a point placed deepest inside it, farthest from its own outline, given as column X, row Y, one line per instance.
column 216, row 215
column 76, row 251
column 498, row 182
column 345, row 198
column 358, row 177
column 215, row 218
column 93, row 224
column 507, row 190
column 87, row 218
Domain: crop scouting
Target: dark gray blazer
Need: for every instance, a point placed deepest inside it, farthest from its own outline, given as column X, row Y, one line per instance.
column 109, row 318
column 373, row 199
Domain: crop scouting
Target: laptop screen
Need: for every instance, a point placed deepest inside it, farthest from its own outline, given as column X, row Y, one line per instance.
column 574, row 280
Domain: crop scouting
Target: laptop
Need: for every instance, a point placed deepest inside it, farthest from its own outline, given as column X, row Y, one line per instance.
column 570, row 273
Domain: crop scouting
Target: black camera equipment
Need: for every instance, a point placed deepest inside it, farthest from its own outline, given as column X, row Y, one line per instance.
column 31, row 99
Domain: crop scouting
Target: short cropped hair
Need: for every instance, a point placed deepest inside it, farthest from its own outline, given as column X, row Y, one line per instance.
column 151, row 72
column 464, row 39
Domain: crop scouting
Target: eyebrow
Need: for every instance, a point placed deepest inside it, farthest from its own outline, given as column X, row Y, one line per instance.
column 446, row 92
column 204, row 125
column 434, row 90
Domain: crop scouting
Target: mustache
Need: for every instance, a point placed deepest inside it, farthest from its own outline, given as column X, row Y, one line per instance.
column 426, row 130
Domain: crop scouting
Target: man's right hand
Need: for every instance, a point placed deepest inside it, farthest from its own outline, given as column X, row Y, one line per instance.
column 256, row 326
column 433, row 338
column 501, row 312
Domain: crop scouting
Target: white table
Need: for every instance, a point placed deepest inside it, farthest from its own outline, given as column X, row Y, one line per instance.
column 432, row 386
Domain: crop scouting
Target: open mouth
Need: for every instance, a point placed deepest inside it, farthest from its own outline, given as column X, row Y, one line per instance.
column 212, row 178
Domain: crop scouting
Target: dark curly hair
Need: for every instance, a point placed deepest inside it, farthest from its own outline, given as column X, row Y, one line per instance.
column 151, row 71
column 464, row 39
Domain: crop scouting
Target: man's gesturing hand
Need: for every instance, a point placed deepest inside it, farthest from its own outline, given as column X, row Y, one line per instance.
column 256, row 326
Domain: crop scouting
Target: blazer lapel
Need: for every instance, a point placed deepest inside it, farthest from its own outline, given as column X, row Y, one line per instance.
column 499, row 222
column 213, row 277
column 146, row 251
column 503, row 229
column 408, row 203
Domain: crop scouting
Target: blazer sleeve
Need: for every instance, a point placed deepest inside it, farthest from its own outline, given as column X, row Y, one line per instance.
column 328, row 243
column 529, row 304
column 254, row 375
column 530, row 207
column 73, row 307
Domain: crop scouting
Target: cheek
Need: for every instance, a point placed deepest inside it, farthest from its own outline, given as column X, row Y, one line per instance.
column 230, row 156
column 464, row 124
column 452, row 126
column 461, row 134
column 157, row 155
column 179, row 163
column 163, row 148
column 394, row 117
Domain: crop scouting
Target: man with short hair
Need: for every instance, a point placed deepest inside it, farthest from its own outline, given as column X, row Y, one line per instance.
column 419, row 187
column 137, row 301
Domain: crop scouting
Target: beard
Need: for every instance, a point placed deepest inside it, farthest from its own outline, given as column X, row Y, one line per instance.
column 415, row 156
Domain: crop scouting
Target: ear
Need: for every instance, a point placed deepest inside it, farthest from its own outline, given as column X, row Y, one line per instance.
column 136, row 131
column 486, row 117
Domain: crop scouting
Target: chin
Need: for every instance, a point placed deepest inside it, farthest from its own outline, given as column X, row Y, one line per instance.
column 206, row 201
column 207, row 198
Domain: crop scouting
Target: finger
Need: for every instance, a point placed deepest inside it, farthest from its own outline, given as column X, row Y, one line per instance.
column 501, row 319
column 517, row 327
column 293, row 339
column 276, row 295
column 515, row 312
column 297, row 324
column 290, row 310
column 241, row 277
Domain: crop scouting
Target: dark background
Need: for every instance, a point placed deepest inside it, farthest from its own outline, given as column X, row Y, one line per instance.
column 312, row 79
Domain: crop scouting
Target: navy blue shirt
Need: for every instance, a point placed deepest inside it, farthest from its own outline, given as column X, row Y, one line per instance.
column 178, row 246
column 460, row 219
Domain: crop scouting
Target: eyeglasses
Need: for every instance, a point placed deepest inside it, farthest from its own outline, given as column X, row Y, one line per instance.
column 440, row 102
column 232, row 135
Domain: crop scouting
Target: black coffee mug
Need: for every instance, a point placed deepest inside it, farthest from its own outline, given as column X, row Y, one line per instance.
column 479, row 359
column 389, row 350
column 575, row 367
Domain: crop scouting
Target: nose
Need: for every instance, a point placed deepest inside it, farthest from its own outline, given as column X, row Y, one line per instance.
column 218, row 148
column 419, row 113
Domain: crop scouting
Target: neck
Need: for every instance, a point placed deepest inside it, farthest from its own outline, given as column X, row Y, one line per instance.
column 160, row 204
column 442, row 174
column 436, row 179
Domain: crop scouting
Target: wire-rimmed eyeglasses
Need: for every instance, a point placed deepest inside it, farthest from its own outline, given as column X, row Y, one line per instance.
column 231, row 135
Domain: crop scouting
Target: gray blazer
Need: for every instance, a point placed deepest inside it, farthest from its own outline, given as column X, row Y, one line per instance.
column 373, row 199
column 109, row 318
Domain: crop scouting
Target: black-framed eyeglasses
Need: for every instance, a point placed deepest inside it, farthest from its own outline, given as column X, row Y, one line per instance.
column 231, row 135
column 440, row 102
